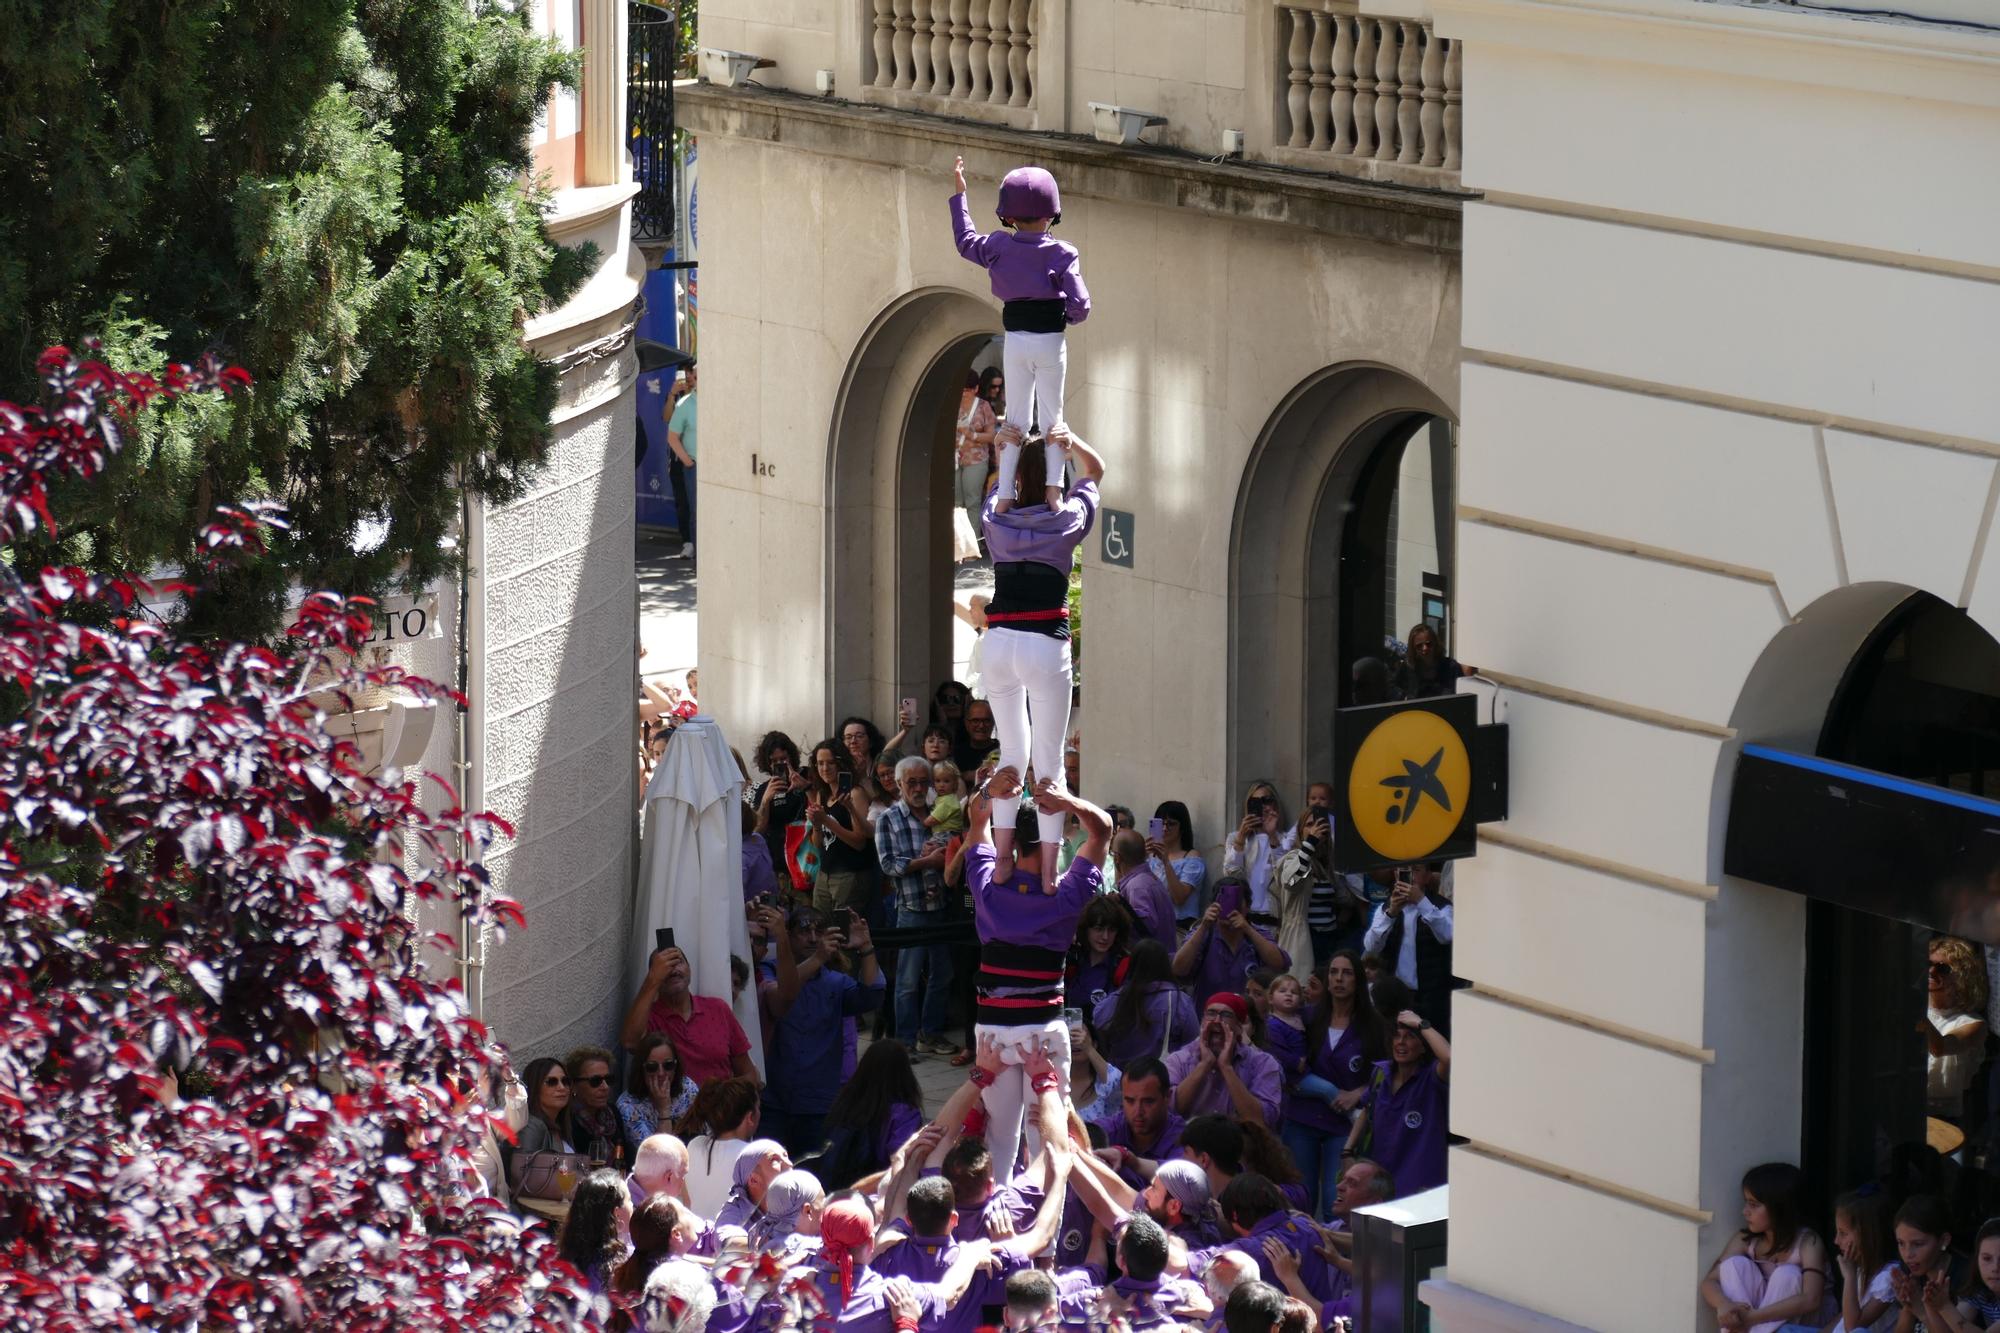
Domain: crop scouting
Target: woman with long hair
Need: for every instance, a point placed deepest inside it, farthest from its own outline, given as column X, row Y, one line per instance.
column 716, row 1129
column 1344, row 1037
column 1774, row 1271
column 874, row 1114
column 1172, row 856
column 657, row 1091
column 1103, row 941
column 1259, row 839
column 949, row 699
column 1149, row 1013
column 838, row 820
column 1407, row 1105
column 592, row 1236
column 653, row 1228
column 549, row 1127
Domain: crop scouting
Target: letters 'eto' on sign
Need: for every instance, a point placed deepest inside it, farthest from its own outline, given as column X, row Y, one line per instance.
column 1115, row 539
column 1412, row 781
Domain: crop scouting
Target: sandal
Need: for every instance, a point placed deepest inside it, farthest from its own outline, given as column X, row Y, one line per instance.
column 962, row 1059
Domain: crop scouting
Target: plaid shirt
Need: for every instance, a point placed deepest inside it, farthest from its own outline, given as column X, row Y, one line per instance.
column 900, row 836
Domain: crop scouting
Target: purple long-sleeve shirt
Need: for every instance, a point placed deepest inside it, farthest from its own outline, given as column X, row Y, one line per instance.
column 1018, row 912
column 1163, row 1005
column 1037, row 532
column 1259, row 1072
column 1225, row 967
column 1024, row 265
column 1298, row 1235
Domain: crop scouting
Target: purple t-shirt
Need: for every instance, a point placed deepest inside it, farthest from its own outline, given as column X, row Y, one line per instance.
column 1037, row 532
column 1298, row 1235
column 1118, row 1134
column 1090, row 982
column 1409, row 1127
column 759, row 876
column 1018, row 912
column 904, row 1120
column 1024, row 266
column 1342, row 1062
column 1150, row 902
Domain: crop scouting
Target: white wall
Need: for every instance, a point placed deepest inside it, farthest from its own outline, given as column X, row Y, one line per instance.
column 1715, row 374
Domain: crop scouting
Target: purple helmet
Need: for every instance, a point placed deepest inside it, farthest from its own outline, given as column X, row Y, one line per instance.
column 1028, row 193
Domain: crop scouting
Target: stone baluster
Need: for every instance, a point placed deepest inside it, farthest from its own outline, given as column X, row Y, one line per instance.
column 885, row 54
column 1322, row 80
column 904, row 22
column 976, row 52
column 1409, row 147
column 1017, row 52
column 1299, row 74
column 1034, row 48
column 1431, row 118
column 1343, row 84
column 1386, row 94
column 920, row 46
column 941, row 72
column 961, row 44
column 996, row 54
column 1451, row 100
column 1364, row 87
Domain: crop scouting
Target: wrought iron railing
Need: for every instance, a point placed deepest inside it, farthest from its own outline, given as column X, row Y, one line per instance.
column 649, row 108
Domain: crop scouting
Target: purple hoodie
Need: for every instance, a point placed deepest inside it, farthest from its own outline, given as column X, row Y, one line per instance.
column 1024, row 266
column 1039, row 533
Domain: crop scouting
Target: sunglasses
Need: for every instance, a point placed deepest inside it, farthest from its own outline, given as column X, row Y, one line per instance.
column 661, row 1066
column 596, row 1080
column 555, row 1081
column 1940, row 969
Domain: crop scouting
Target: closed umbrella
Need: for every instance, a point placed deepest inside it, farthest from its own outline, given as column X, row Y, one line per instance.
column 691, row 866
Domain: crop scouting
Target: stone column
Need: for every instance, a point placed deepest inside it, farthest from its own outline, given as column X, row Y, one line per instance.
column 603, row 38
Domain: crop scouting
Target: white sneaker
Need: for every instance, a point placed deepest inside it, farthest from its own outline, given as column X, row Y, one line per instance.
column 687, row 551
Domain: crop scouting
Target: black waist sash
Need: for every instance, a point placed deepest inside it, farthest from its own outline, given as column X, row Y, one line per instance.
column 1040, row 315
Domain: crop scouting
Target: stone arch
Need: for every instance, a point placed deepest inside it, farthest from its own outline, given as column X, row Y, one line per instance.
column 1293, row 507
column 888, row 634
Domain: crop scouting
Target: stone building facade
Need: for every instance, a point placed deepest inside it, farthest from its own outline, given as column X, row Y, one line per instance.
column 1693, row 305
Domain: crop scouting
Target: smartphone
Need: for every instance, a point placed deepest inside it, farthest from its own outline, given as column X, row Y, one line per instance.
column 846, row 783
column 909, row 712
column 1156, row 829
column 848, row 916
column 663, row 938
column 1229, row 897
column 1258, row 805
column 1073, row 1020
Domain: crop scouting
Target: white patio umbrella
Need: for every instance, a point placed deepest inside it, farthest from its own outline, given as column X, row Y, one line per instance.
column 691, row 866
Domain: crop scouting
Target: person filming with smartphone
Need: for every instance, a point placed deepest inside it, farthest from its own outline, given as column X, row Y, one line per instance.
column 1224, row 948
column 837, row 810
column 1411, row 933
column 806, row 1005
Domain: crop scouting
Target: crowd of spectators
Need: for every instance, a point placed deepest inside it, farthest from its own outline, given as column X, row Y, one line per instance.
column 1256, row 1047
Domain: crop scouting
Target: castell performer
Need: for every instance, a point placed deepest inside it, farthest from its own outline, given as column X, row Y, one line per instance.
column 1039, row 281
column 1025, row 928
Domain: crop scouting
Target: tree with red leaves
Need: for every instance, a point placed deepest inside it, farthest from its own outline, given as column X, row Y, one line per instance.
column 195, row 873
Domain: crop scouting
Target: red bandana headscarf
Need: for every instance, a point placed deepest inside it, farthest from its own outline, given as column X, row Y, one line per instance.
column 844, row 1228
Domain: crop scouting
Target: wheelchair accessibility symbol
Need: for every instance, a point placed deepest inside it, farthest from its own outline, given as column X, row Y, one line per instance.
column 1117, row 537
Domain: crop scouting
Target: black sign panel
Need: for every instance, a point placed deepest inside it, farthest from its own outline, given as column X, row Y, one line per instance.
column 1868, row 841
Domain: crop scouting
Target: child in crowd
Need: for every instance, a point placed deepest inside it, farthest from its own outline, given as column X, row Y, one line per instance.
column 1979, row 1299
column 947, row 816
column 1922, row 1282
column 1773, row 1272
column 1039, row 281
column 1285, row 1038
column 1866, row 1252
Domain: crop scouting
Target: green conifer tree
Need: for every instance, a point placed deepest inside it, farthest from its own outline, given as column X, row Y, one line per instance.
column 334, row 194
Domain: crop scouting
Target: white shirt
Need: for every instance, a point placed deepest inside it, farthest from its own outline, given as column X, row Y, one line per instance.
column 1256, row 865
column 1951, row 1074
column 1437, row 917
column 709, row 1180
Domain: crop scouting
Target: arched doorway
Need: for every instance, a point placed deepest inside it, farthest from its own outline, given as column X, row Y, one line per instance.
column 1326, row 556
column 1895, row 695
column 889, row 548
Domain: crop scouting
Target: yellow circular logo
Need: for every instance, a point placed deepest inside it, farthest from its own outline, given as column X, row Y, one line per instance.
column 1408, row 788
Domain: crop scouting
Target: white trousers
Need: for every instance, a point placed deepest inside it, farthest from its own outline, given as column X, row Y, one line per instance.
column 1026, row 673
column 1036, row 366
column 1010, row 1100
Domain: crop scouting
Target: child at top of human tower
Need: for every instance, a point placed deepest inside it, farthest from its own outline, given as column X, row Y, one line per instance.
column 1039, row 281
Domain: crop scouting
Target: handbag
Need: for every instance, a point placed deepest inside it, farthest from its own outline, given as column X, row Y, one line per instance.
column 538, row 1175
column 801, row 857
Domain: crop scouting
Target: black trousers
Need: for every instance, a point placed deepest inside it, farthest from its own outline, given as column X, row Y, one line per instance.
column 683, row 506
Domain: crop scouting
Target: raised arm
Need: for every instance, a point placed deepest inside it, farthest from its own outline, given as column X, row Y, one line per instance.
column 1096, row 824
